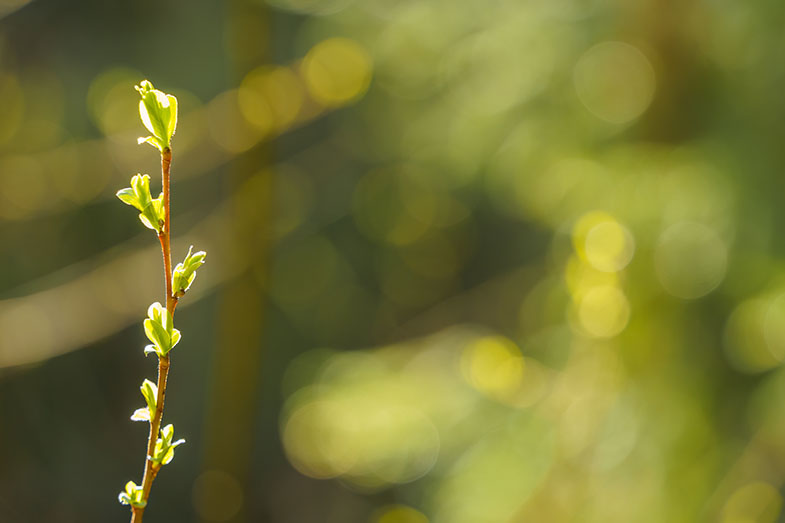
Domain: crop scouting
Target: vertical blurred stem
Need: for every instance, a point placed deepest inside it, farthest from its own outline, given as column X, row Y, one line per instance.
column 150, row 468
column 230, row 423
column 664, row 26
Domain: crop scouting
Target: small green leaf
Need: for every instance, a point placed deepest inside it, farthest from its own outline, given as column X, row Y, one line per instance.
column 128, row 197
column 152, row 215
column 185, row 273
column 158, row 112
column 169, row 456
column 172, row 127
column 146, row 222
column 175, row 337
column 132, row 495
column 142, row 414
column 141, row 186
column 150, row 393
column 153, row 109
column 159, row 328
column 138, row 196
column 167, row 433
column 158, row 335
column 164, row 447
column 152, row 140
column 155, row 311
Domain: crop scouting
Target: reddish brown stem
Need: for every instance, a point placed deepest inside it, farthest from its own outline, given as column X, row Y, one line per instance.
column 150, row 468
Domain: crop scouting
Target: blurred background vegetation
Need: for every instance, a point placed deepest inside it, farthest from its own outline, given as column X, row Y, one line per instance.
column 470, row 261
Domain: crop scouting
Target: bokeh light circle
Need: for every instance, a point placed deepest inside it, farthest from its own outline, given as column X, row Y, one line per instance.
column 271, row 97
column 603, row 242
column 112, row 102
column 690, row 260
column 229, row 126
column 747, row 344
column 337, row 70
column 494, row 366
column 355, row 434
column 615, row 81
column 603, row 311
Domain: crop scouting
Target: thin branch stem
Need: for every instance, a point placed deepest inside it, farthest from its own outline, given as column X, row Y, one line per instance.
column 166, row 162
column 151, row 468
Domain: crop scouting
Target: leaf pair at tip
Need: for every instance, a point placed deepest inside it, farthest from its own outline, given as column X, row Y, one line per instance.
column 158, row 111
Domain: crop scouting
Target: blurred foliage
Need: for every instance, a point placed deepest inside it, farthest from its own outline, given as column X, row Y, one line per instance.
column 484, row 261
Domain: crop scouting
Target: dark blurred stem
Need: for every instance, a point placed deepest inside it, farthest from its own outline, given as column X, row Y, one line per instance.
column 150, row 468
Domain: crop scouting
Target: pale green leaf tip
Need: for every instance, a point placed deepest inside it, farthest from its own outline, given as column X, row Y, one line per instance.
column 158, row 112
column 142, row 414
column 132, row 495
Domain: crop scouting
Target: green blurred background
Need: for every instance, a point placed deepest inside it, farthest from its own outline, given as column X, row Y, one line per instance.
column 469, row 261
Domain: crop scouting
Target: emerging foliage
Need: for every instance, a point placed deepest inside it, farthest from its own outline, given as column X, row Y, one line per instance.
column 151, row 211
column 150, row 393
column 185, row 272
column 159, row 328
column 164, row 447
column 158, row 112
column 132, row 495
